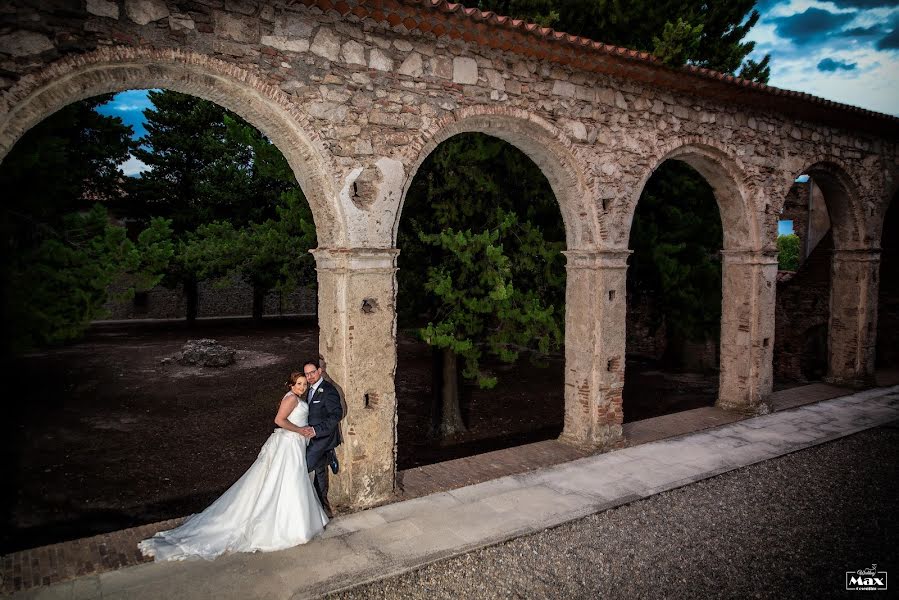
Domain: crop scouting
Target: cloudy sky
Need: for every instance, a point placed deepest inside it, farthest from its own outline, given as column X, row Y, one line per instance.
column 842, row 50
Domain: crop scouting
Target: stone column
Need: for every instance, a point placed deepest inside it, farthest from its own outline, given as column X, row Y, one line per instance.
column 853, row 316
column 595, row 308
column 357, row 337
column 748, row 288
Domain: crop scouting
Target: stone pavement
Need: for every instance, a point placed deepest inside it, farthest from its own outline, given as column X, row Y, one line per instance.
column 398, row 537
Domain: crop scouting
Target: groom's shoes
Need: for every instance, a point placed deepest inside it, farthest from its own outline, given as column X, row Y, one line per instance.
column 335, row 466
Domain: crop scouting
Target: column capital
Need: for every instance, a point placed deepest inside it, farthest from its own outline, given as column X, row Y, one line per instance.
column 597, row 259
column 355, row 259
column 859, row 255
column 749, row 257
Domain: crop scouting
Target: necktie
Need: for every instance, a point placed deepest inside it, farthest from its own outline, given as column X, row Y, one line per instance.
column 309, row 395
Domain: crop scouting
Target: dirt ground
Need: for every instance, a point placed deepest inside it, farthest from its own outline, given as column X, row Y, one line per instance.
column 101, row 435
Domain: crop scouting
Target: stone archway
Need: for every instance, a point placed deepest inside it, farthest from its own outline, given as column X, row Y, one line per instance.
column 853, row 274
column 541, row 141
column 117, row 69
column 569, row 177
column 749, row 269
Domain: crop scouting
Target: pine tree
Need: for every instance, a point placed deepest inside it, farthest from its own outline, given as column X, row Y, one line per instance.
column 59, row 249
column 221, row 183
column 481, row 272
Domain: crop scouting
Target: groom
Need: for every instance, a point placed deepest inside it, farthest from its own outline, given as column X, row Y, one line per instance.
column 325, row 413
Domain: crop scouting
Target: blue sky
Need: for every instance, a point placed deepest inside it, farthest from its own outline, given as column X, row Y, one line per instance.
column 841, row 50
column 129, row 106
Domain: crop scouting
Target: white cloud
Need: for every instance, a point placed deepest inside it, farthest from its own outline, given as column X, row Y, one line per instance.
column 872, row 84
column 133, row 167
column 129, row 107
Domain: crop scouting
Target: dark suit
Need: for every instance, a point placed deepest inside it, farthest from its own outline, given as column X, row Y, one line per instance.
column 325, row 413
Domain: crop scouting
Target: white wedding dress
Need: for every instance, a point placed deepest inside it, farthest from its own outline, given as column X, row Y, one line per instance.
column 271, row 507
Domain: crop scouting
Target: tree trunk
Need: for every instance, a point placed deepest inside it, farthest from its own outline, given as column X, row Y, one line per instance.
column 258, row 302
column 436, row 391
column 451, row 413
column 192, row 297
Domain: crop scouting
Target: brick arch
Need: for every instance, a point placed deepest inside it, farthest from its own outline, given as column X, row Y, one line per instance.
column 116, row 69
column 728, row 179
column 542, row 142
column 842, row 196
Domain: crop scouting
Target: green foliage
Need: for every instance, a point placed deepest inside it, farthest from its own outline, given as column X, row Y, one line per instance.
column 481, row 263
column 203, row 168
column 676, row 236
column 478, row 305
column 59, row 251
column 156, row 248
column 270, row 255
column 677, row 43
column 59, row 285
column 232, row 200
column 788, row 252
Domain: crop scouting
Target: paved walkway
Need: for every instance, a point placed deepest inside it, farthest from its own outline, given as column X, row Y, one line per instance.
column 398, row 537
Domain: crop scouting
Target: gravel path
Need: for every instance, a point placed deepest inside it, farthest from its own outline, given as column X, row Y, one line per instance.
column 786, row 528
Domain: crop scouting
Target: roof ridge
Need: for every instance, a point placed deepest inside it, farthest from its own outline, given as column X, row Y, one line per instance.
column 640, row 55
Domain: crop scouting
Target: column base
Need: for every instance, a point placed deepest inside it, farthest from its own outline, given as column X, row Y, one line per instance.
column 609, row 437
column 855, row 382
column 762, row 407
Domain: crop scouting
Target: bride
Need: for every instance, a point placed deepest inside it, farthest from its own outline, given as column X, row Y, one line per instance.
column 271, row 507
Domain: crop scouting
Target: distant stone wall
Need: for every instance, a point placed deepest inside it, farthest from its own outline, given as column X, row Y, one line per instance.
column 888, row 306
column 796, row 210
column 646, row 340
column 801, row 317
column 232, row 300
column 805, row 207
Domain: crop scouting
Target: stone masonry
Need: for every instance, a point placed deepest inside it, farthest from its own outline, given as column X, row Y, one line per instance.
column 357, row 93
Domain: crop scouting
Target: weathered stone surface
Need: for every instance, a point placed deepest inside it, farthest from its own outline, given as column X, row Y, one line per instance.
column 412, row 66
column 330, row 111
column 379, row 60
column 244, row 7
column 294, row 26
column 465, row 70
column 282, row 42
column 143, row 12
column 24, row 43
column 236, row 27
column 181, row 22
column 563, row 88
column 103, row 8
column 326, row 44
column 353, row 53
column 403, row 45
column 495, row 79
column 442, row 67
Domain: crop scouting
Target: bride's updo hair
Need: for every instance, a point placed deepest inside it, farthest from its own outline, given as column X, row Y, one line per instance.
column 294, row 377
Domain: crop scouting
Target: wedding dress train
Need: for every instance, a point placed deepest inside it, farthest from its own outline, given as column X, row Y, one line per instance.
column 271, row 507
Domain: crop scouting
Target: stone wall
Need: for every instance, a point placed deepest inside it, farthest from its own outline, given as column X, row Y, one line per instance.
column 806, row 206
column 803, row 309
column 888, row 307
column 214, row 300
column 796, row 210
